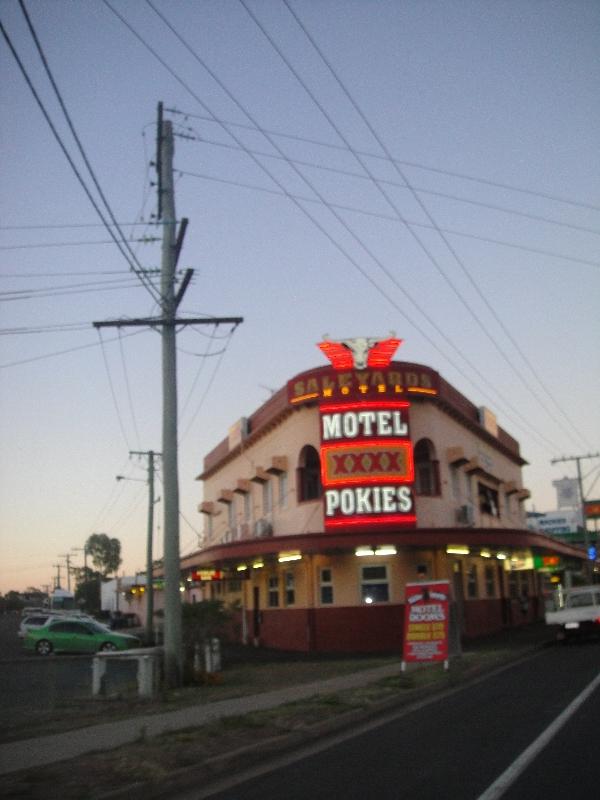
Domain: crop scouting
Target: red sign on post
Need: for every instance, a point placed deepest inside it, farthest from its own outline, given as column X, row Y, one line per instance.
column 426, row 621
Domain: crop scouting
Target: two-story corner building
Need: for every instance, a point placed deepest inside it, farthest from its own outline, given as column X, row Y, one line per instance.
column 352, row 481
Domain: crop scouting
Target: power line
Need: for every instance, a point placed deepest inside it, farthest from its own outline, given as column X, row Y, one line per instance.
column 69, row 350
column 369, row 154
column 390, row 217
column 63, row 147
column 33, row 295
column 326, row 233
column 431, row 219
column 387, row 182
column 35, row 245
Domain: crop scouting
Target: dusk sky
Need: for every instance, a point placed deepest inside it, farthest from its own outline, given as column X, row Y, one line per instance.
column 349, row 167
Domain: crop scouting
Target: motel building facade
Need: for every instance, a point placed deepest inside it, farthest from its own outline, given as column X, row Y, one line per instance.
column 352, row 481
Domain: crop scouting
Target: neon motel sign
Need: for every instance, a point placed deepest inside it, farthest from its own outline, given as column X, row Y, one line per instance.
column 367, row 468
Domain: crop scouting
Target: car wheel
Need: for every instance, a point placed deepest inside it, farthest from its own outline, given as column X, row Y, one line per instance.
column 43, row 647
column 108, row 647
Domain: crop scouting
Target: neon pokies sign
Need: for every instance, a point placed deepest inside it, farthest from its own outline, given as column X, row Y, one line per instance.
column 367, row 468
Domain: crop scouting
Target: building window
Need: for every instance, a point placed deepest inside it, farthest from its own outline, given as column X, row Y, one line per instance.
column 374, row 586
column 326, row 586
column 209, row 526
column 267, row 497
column 273, row 594
column 290, row 589
column 469, row 487
column 513, row 585
column 489, row 582
column 231, row 515
column 488, row 500
column 283, row 489
column 247, row 507
column 472, row 581
column 455, row 482
column 309, row 474
column 426, row 469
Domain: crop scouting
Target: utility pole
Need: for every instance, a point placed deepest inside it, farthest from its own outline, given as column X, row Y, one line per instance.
column 586, row 538
column 168, row 323
column 150, row 454
column 67, row 557
column 57, row 579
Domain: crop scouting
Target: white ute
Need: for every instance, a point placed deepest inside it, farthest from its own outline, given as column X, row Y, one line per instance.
column 577, row 612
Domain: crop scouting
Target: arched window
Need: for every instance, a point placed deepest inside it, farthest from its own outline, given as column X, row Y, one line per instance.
column 309, row 474
column 427, row 480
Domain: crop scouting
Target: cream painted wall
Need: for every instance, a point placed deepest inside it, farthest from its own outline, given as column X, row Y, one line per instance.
column 302, row 428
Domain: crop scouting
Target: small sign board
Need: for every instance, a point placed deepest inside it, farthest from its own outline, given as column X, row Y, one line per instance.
column 592, row 509
column 426, row 622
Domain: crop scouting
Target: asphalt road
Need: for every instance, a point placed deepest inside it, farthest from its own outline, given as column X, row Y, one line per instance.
column 455, row 747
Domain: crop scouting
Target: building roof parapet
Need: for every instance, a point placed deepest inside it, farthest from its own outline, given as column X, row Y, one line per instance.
column 408, row 380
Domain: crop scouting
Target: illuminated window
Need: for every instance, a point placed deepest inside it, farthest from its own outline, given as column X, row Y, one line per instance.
column 374, row 586
column 290, row 589
column 488, row 500
column 426, row 469
column 273, row 593
column 326, row 586
column 309, row 474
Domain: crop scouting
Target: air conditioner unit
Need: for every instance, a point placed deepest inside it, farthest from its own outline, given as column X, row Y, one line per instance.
column 262, row 527
column 465, row 515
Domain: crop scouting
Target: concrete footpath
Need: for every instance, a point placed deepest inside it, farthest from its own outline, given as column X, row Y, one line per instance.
column 106, row 736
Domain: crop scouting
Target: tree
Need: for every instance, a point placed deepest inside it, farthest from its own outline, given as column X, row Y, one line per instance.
column 87, row 592
column 105, row 553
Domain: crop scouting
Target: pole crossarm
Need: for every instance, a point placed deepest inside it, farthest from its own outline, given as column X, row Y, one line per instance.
column 160, row 321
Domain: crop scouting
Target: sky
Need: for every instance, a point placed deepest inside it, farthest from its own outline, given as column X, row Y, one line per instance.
column 347, row 168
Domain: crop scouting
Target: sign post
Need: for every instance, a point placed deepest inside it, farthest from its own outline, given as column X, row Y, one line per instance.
column 426, row 622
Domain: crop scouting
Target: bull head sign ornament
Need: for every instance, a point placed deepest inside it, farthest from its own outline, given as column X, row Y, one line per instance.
column 360, row 352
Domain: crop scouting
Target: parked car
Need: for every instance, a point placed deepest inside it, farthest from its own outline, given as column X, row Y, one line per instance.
column 59, row 634
column 39, row 619
column 31, row 621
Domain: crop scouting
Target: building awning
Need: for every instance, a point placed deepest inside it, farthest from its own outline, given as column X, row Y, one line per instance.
column 348, row 541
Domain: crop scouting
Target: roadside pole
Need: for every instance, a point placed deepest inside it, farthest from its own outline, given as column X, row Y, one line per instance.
column 168, row 322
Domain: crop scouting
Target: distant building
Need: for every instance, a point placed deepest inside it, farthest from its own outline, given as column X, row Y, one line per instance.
column 352, row 481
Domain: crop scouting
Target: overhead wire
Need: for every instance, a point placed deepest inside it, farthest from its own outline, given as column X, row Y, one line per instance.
column 370, row 154
column 112, row 389
column 387, row 182
column 38, row 245
column 427, row 251
column 325, row 232
column 128, row 390
column 135, row 268
column 459, row 261
column 67, row 351
column 390, row 217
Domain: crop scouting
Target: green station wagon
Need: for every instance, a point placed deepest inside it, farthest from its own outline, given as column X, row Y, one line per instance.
column 75, row 636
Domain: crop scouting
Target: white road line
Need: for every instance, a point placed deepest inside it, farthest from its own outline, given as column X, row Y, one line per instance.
column 509, row 776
